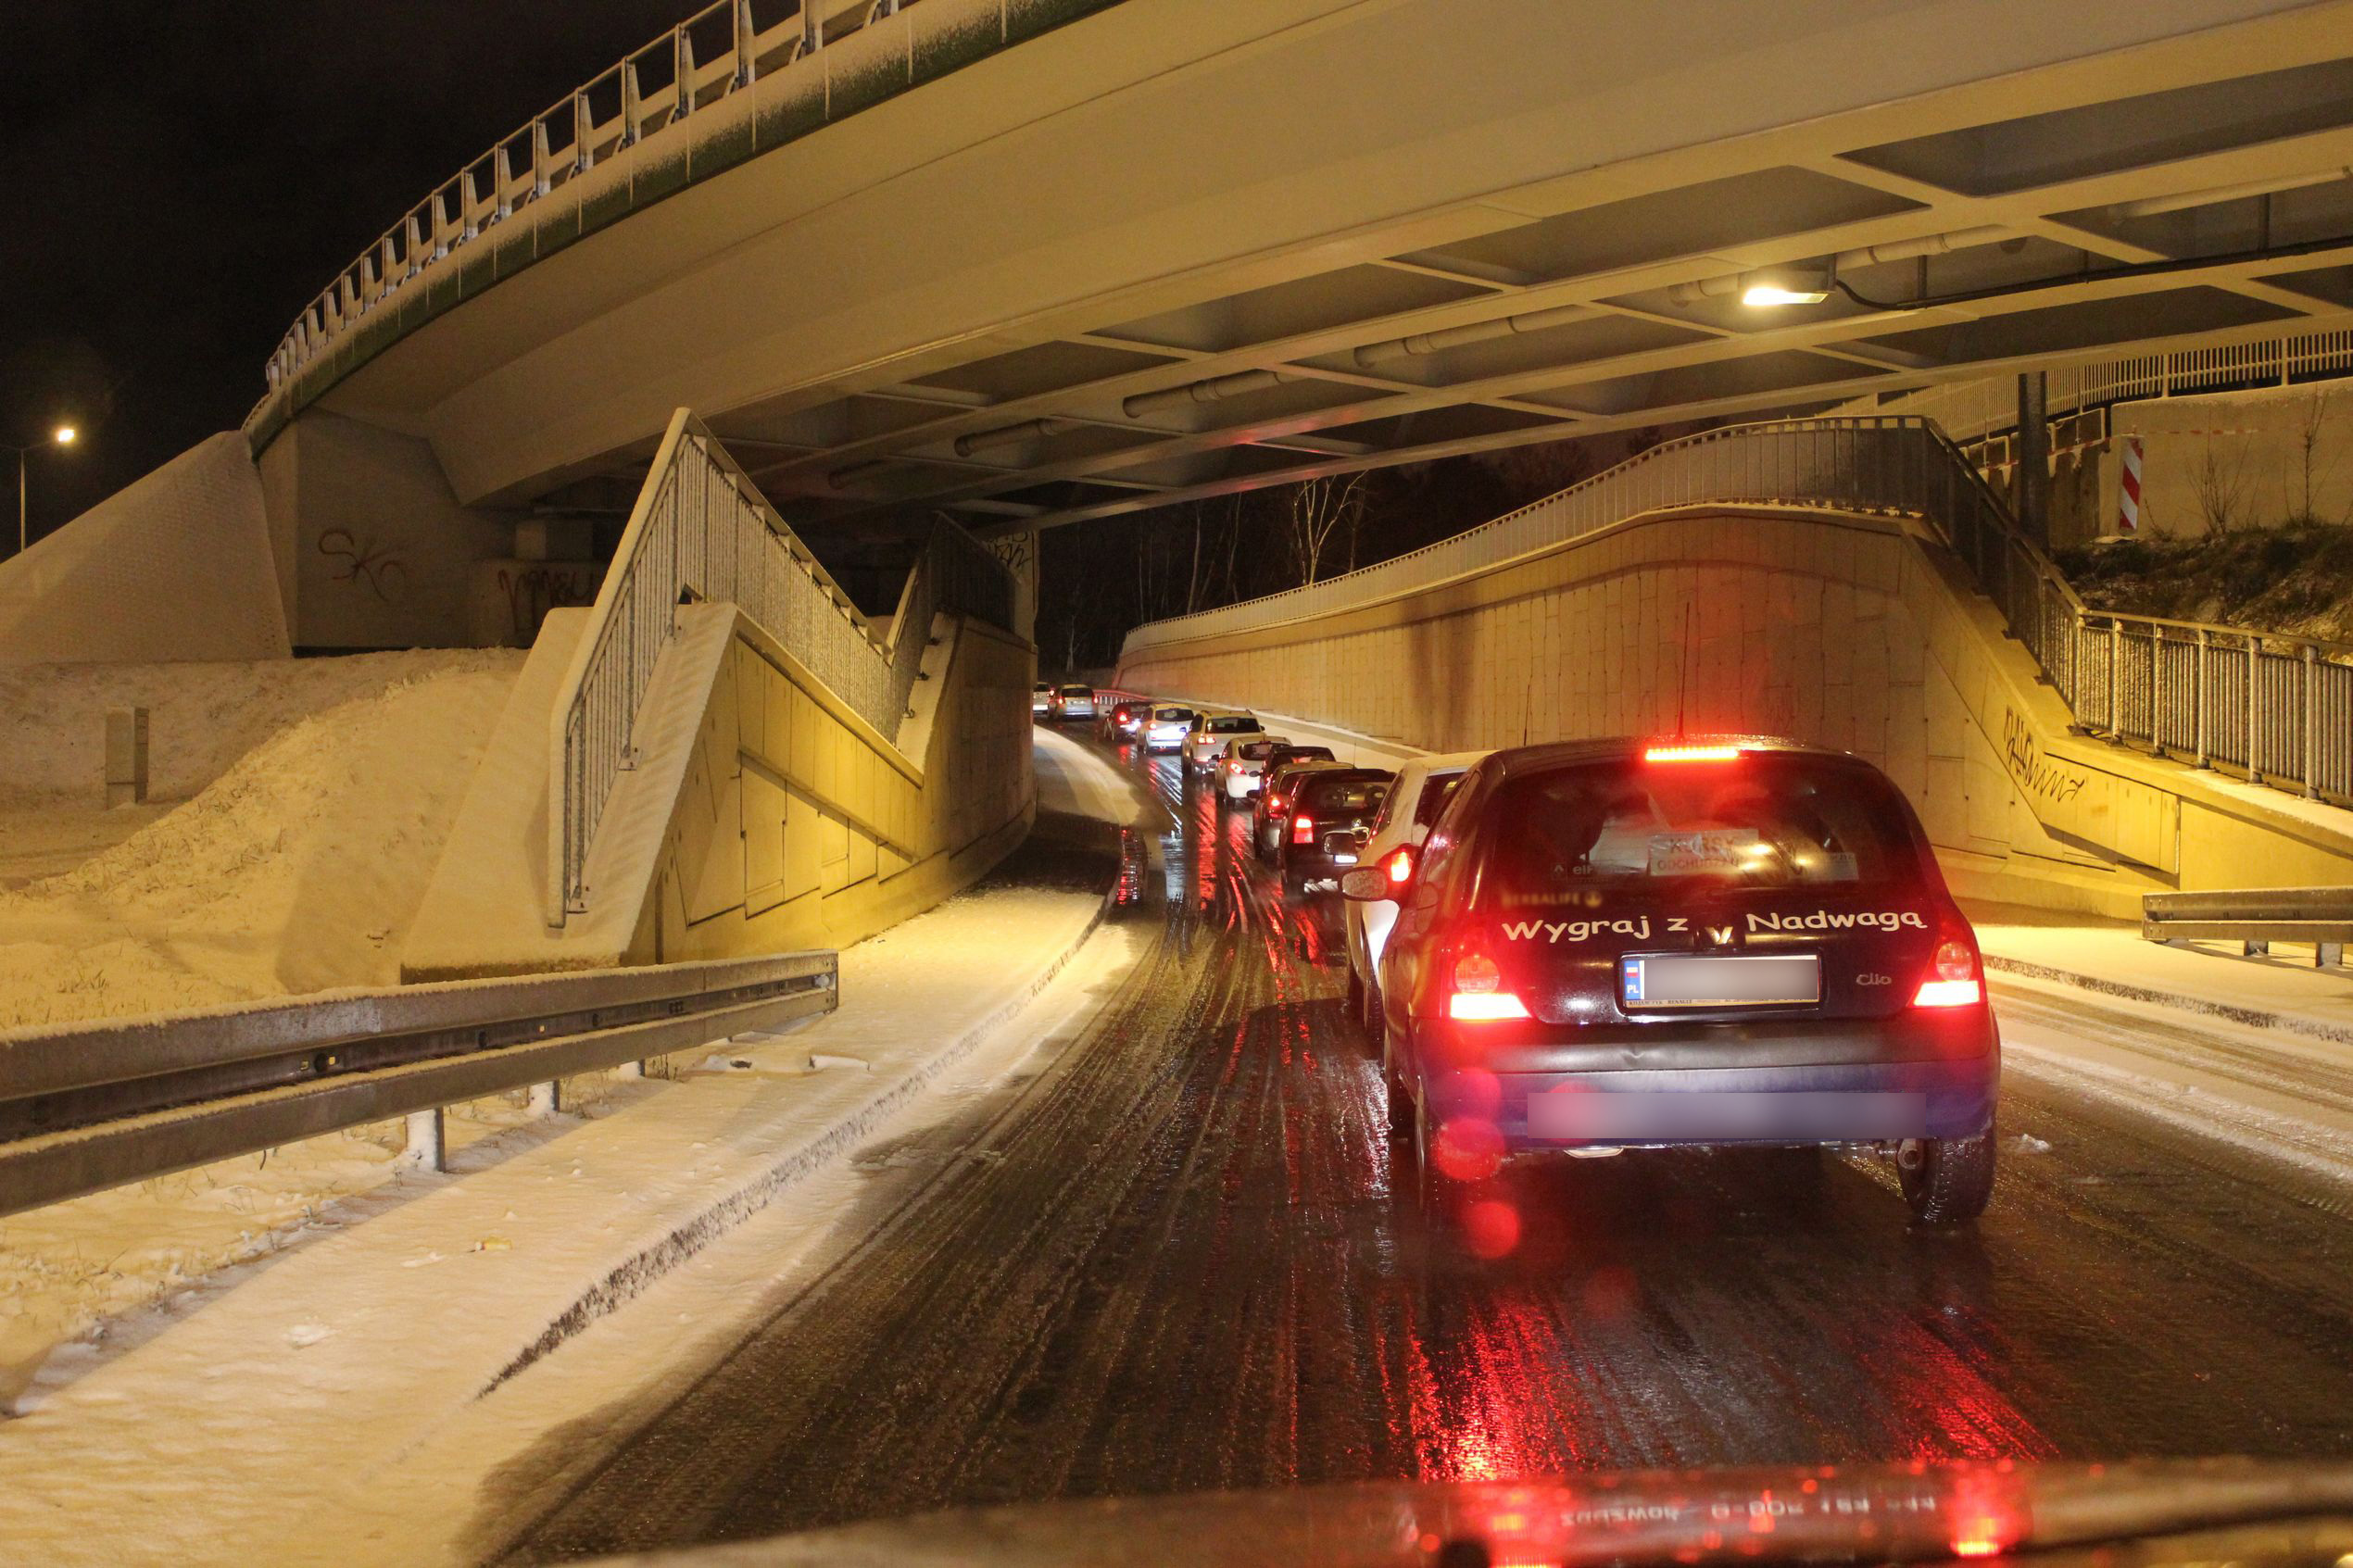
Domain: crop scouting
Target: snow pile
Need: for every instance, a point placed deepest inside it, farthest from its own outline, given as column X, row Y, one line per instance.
column 201, row 718
column 297, row 869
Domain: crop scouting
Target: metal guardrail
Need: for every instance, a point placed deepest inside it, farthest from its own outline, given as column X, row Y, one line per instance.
column 1971, row 410
column 2277, row 708
column 2254, row 918
column 645, row 101
column 701, row 529
column 85, row 1107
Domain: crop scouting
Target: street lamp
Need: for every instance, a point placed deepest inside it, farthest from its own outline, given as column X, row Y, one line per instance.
column 64, row 435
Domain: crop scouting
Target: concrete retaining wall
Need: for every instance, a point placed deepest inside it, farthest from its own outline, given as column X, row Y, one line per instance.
column 1854, row 632
column 762, row 815
column 176, row 566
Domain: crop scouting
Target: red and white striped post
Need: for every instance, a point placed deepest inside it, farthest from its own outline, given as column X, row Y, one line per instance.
column 2128, row 500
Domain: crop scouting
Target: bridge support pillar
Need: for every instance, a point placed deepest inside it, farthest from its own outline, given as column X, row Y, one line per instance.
column 2033, row 498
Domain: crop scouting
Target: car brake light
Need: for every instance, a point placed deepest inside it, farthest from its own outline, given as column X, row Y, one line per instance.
column 1401, row 866
column 1274, row 805
column 1479, row 993
column 1954, row 978
column 1302, row 829
column 1691, row 753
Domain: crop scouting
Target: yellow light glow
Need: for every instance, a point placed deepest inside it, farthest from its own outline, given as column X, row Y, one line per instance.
column 1774, row 293
column 66, row 434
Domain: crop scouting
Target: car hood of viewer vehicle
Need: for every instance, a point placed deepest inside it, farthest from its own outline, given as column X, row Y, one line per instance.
column 2181, row 1512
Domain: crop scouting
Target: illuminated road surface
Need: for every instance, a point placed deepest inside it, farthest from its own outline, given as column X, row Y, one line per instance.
column 1172, row 1262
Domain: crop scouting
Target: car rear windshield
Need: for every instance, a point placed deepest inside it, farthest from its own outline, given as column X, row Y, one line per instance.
column 1760, row 821
column 1436, row 793
column 1174, row 715
column 1078, row 691
column 1334, row 796
column 1241, row 724
column 1306, row 754
column 1256, row 750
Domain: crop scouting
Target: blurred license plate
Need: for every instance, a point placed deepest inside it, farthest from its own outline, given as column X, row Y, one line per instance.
column 1685, row 980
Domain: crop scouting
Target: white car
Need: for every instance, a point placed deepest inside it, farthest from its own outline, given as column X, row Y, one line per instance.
column 1420, row 792
column 1075, row 702
column 1211, row 734
column 1166, row 729
column 1041, row 700
column 1242, row 771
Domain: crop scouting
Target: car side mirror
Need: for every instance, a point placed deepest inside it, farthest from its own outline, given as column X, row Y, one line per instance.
column 1365, row 885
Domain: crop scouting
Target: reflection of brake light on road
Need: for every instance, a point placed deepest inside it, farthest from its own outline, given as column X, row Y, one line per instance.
column 1479, row 991
column 1691, row 753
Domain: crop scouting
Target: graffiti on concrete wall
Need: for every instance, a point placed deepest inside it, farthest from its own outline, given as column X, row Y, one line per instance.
column 372, row 567
column 2032, row 767
column 531, row 590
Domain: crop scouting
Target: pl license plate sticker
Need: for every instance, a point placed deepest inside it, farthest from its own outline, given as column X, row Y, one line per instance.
column 1707, row 850
column 1677, row 980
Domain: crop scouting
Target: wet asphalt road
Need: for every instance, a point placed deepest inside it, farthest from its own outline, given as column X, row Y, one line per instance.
column 1170, row 1260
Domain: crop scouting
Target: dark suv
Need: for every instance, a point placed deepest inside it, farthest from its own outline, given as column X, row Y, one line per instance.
column 1326, row 824
column 1616, row 943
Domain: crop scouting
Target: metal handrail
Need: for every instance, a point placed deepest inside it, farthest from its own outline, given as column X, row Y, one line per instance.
column 701, row 529
column 89, row 1105
column 2277, row 708
column 718, row 51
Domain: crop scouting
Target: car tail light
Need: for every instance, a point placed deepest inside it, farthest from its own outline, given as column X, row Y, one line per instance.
column 1399, row 865
column 1274, row 805
column 1691, row 753
column 1479, row 991
column 1955, row 977
column 1302, row 829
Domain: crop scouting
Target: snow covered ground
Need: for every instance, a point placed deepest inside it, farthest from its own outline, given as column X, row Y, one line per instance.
column 242, row 1418
column 319, row 795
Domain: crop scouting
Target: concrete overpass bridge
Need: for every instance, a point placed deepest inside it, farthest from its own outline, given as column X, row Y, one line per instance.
column 1035, row 261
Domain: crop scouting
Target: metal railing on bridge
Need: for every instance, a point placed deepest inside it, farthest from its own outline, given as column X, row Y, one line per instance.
column 645, row 100
column 2278, row 708
column 701, row 531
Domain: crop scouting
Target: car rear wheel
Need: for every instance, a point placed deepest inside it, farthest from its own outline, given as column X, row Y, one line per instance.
column 1356, row 995
column 1400, row 1099
column 1371, row 1011
column 1946, row 1181
column 1294, row 885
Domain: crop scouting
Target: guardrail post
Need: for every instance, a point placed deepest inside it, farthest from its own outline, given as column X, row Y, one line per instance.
column 413, row 244
column 547, row 1099
column 582, row 159
column 746, row 65
column 630, row 103
column 2254, row 704
column 2157, row 689
column 2198, row 702
column 428, row 1148
column 541, row 174
column 2116, row 661
column 2311, row 723
column 682, row 73
column 467, row 197
column 502, row 179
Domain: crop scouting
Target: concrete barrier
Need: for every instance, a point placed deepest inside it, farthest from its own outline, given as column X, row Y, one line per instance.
column 1858, row 632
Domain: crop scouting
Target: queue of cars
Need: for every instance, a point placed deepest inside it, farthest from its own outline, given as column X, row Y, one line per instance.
column 1592, row 946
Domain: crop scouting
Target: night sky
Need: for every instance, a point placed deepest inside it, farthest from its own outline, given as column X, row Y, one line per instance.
column 179, row 177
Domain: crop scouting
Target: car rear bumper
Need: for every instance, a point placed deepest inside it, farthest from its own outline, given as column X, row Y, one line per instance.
column 1843, row 1081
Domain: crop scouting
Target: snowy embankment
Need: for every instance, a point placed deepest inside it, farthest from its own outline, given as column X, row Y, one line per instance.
column 314, row 798
column 203, row 1428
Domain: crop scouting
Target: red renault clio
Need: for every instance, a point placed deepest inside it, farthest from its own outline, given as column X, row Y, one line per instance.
column 1621, row 944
